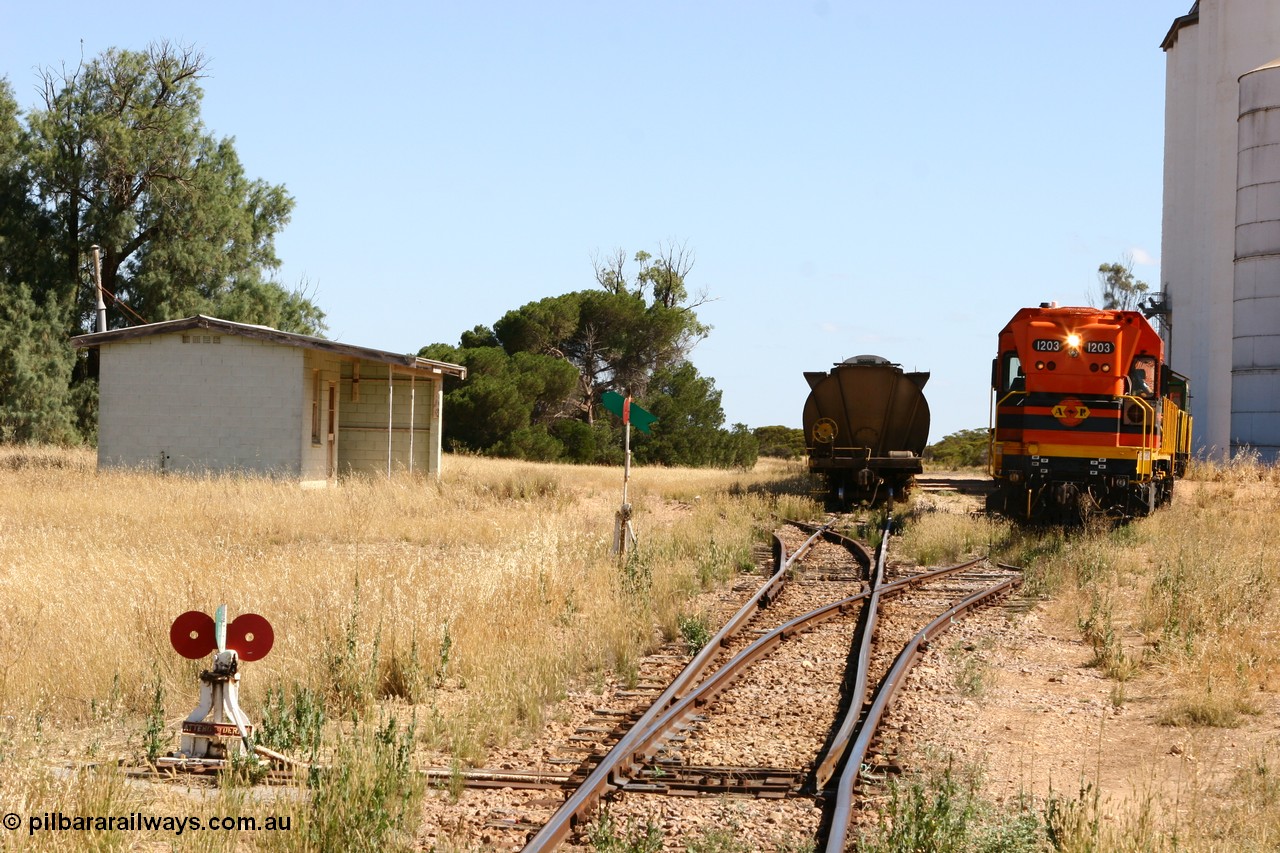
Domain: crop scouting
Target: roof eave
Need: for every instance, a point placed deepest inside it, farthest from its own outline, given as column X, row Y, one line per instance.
column 266, row 333
column 1187, row 20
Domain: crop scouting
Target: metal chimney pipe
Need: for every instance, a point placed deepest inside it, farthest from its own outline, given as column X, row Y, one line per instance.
column 97, row 286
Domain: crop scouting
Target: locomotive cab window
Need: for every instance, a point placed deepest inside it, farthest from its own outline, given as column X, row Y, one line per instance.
column 1011, row 376
column 1176, row 389
column 1141, row 379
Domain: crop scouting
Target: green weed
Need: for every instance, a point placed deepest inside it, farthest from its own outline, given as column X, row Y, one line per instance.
column 292, row 724
column 155, row 738
column 353, row 665
column 940, row 812
column 607, row 836
column 369, row 799
column 696, row 632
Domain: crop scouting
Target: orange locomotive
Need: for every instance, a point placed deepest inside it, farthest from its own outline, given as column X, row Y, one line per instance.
column 1087, row 415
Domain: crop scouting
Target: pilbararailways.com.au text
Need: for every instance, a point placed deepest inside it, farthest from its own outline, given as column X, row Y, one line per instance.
column 138, row 822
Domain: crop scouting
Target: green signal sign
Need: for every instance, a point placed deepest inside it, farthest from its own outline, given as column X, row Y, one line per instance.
column 627, row 410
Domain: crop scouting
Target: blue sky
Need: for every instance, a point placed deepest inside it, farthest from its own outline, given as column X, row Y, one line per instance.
column 884, row 178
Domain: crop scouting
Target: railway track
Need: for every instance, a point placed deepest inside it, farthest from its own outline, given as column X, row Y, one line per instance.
column 778, row 713
column 782, row 706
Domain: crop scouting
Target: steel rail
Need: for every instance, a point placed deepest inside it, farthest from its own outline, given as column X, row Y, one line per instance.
column 848, row 724
column 827, row 766
column 906, row 659
column 587, row 795
column 286, row 768
column 763, row 598
column 485, row 778
column 648, row 746
column 864, row 558
column 766, row 643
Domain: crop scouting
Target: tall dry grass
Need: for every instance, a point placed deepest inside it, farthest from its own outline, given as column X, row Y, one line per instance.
column 1188, row 599
column 477, row 599
column 1189, row 594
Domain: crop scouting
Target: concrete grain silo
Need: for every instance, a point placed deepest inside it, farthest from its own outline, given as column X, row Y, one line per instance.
column 1206, row 51
column 1255, row 351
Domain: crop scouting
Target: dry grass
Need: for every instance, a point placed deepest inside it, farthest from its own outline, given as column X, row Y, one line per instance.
column 1187, row 599
column 478, row 599
column 1189, row 593
column 939, row 538
column 388, row 596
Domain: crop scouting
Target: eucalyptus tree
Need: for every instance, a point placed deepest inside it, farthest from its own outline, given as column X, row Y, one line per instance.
column 1120, row 290
column 115, row 154
column 535, row 379
column 35, row 362
column 120, row 158
column 616, row 336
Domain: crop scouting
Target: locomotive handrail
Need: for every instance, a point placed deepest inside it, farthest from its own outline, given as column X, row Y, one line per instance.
column 994, row 423
column 1177, row 439
column 1000, row 402
column 1148, row 429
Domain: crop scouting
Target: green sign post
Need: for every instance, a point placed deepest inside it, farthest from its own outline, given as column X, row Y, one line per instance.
column 623, row 534
column 627, row 410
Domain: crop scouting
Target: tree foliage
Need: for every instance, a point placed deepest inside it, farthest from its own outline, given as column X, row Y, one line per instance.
column 780, row 441
column 35, row 360
column 121, row 159
column 115, row 155
column 535, row 379
column 508, row 403
column 617, row 336
column 964, row 449
column 35, row 369
column 690, row 428
column 1120, row 290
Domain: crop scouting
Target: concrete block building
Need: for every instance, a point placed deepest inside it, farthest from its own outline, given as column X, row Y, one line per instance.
column 207, row 395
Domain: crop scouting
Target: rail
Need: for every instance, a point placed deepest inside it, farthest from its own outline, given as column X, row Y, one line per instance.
column 906, row 659
column 622, row 767
column 848, row 725
column 588, row 794
column 766, row 643
column 643, row 742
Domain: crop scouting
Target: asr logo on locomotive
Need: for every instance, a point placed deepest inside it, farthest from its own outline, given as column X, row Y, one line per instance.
column 1071, row 412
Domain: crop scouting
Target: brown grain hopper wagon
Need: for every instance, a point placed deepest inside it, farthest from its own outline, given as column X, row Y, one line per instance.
column 866, row 423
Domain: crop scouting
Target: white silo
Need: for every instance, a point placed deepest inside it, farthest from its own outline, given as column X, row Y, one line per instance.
column 1207, row 50
column 1255, row 351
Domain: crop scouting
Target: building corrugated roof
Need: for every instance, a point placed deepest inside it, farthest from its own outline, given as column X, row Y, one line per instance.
column 270, row 335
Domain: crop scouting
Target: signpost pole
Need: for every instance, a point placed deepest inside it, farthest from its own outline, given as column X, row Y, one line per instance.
column 626, row 465
column 623, row 534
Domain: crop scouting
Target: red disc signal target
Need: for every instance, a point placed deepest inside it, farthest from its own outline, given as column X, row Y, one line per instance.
column 192, row 634
column 251, row 636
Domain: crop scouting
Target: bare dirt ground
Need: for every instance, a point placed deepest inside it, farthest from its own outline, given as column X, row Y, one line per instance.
column 1012, row 691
